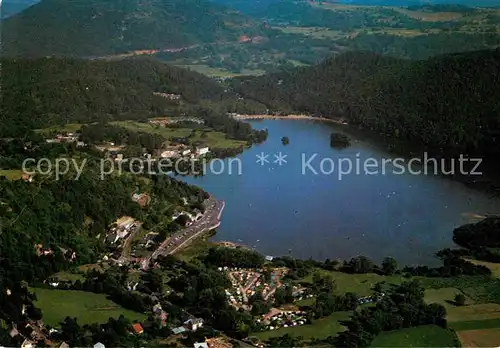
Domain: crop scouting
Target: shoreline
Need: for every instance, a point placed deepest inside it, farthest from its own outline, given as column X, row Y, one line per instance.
column 290, row 117
column 202, row 226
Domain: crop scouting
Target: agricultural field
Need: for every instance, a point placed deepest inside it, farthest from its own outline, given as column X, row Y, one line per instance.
column 220, row 72
column 361, row 284
column 211, row 139
column 315, row 32
column 429, row 16
column 470, row 311
column 87, row 307
column 480, row 289
column 421, row 336
column 197, row 248
column 68, row 128
column 494, row 267
column 68, row 277
column 321, row 328
column 480, row 338
column 12, row 174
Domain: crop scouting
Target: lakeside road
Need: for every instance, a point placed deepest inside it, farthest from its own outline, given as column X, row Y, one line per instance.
column 289, row 117
column 209, row 221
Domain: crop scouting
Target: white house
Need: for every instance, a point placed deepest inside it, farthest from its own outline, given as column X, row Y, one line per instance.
column 202, row 151
column 186, row 152
column 194, row 324
column 168, row 154
column 201, row 345
column 99, row 345
column 27, row 344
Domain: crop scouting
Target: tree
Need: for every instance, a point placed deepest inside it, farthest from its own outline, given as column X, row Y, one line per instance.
column 360, row 264
column 339, row 140
column 459, row 299
column 323, row 283
column 389, row 266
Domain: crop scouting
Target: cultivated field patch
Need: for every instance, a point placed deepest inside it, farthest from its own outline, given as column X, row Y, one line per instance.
column 480, row 338
column 421, row 336
column 87, row 307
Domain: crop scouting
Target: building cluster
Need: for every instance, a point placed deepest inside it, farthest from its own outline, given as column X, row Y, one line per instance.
column 29, row 333
column 215, row 342
column 276, row 319
column 191, row 217
column 181, row 151
column 148, row 241
column 68, row 254
column 121, row 229
column 169, row 96
column 247, row 282
column 160, row 315
column 143, row 199
column 370, row 299
column 67, row 138
column 164, row 121
column 192, row 324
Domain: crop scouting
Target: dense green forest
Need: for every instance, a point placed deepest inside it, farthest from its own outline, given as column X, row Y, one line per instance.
column 68, row 214
column 421, row 46
column 51, row 91
column 447, row 102
column 99, row 27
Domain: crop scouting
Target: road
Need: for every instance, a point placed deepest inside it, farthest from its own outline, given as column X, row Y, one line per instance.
column 209, row 221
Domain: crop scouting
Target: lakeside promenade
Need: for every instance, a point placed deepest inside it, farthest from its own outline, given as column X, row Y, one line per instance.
column 209, row 221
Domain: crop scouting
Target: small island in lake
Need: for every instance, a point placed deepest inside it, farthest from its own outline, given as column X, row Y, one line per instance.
column 285, row 141
column 339, row 140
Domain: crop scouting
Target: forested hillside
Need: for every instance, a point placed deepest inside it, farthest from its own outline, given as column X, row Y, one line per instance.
column 447, row 102
column 51, row 91
column 99, row 27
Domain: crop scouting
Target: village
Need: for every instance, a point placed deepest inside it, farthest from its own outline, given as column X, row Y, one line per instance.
column 248, row 282
column 176, row 147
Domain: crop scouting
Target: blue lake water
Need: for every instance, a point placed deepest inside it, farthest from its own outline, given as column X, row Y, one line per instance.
column 288, row 208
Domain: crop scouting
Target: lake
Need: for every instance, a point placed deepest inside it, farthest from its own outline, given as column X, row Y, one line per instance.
column 306, row 210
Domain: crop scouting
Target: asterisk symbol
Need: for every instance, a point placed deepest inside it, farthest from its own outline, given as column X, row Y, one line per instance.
column 262, row 158
column 280, row 158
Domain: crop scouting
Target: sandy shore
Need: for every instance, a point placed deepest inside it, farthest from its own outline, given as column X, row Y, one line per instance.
column 289, row 117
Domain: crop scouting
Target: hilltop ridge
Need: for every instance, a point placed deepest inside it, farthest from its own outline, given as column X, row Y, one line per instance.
column 97, row 27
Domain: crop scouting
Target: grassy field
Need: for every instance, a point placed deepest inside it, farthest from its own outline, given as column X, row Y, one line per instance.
column 70, row 128
column 67, row 276
column 87, row 307
column 422, row 336
column 480, row 289
column 321, row 328
column 480, row 338
column 197, row 248
column 360, row 284
column 316, row 32
column 475, row 324
column 420, row 15
column 471, row 310
column 429, row 16
column 12, row 174
column 218, row 72
column 212, row 139
column 494, row 267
